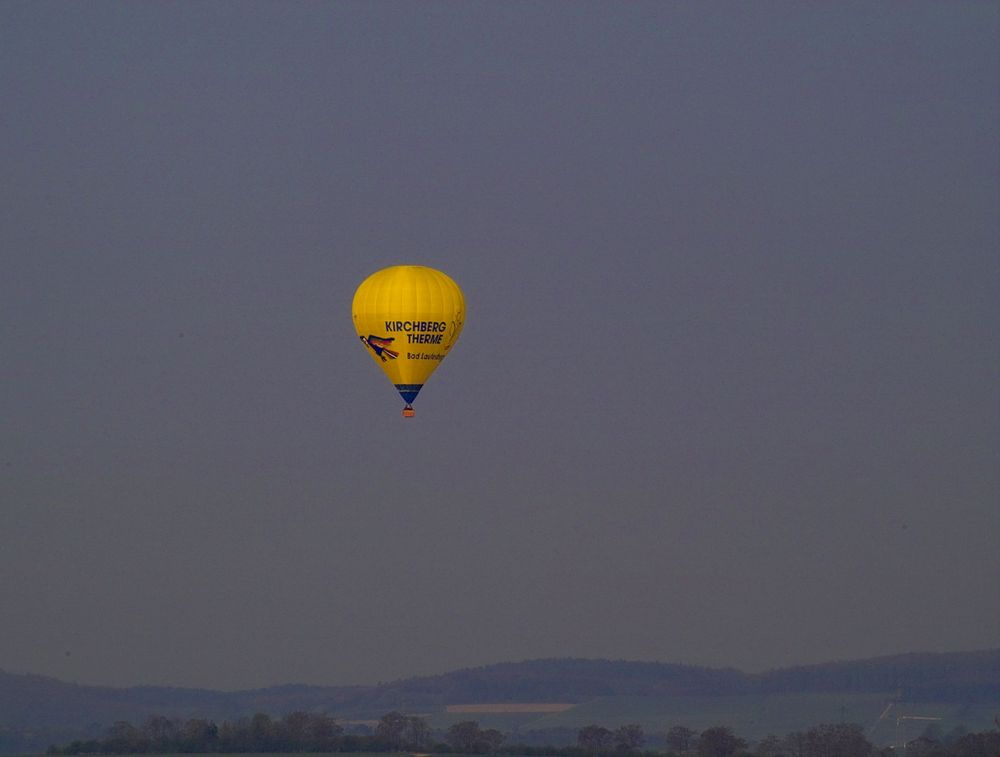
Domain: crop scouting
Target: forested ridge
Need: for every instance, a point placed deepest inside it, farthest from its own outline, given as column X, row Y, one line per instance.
column 943, row 677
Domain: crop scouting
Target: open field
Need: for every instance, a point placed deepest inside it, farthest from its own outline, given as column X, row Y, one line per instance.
column 509, row 707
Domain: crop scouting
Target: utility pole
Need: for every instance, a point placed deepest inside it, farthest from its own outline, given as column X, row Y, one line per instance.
column 899, row 719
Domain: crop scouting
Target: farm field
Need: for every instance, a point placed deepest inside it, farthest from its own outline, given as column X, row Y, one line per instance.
column 508, row 707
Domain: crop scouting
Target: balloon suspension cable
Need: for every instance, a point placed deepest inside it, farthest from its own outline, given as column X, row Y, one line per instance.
column 408, row 411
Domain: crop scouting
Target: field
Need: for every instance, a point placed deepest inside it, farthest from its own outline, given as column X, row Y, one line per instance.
column 508, row 707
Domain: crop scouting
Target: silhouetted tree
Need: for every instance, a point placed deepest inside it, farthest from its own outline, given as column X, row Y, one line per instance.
column 199, row 736
column 836, row 740
column 924, row 746
column 464, row 736
column 594, row 739
column 985, row 744
column 125, row 738
column 770, row 746
column 161, row 733
column 719, row 742
column 325, row 734
column 417, row 734
column 629, row 737
column 263, row 733
column 830, row 740
column 311, row 732
column 391, row 729
column 492, row 739
column 680, row 739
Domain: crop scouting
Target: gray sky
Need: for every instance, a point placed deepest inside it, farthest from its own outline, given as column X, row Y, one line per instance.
column 728, row 391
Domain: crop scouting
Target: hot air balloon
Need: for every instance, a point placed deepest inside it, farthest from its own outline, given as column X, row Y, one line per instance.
column 408, row 317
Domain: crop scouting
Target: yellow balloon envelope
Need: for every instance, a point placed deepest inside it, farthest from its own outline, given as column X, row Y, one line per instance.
column 408, row 317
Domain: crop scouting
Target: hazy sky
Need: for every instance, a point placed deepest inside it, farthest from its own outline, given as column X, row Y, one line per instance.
column 728, row 391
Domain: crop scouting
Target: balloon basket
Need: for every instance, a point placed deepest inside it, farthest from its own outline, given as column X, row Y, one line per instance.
column 408, row 412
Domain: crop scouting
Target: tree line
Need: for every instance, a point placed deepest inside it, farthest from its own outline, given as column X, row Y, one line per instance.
column 296, row 732
column 396, row 732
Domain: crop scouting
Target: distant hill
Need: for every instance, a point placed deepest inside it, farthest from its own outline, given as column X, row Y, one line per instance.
column 36, row 711
column 952, row 677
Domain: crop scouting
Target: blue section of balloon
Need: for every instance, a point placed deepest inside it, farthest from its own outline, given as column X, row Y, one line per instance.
column 409, row 392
